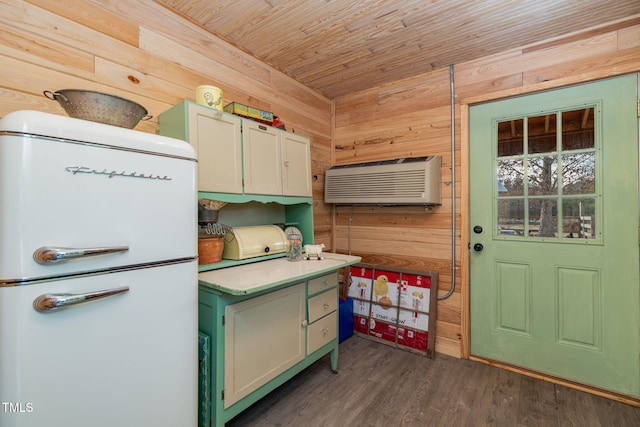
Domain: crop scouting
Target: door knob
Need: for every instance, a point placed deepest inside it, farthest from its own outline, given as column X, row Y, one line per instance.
column 478, row 247
column 477, row 229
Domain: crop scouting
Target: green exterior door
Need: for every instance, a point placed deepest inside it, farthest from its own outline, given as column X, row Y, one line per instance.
column 554, row 233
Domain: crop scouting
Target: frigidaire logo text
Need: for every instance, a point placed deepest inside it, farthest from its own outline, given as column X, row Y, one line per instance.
column 113, row 173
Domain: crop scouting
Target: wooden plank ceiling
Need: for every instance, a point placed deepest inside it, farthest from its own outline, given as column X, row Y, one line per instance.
column 343, row 46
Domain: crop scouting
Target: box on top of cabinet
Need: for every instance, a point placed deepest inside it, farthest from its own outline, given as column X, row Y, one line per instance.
column 249, row 112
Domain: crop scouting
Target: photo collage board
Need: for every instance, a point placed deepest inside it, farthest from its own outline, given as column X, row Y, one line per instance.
column 395, row 306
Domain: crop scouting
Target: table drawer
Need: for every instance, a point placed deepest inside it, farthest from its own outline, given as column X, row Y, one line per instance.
column 322, row 283
column 322, row 304
column 322, row 332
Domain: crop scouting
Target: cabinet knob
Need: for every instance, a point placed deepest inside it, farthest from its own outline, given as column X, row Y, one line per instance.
column 286, row 162
column 325, row 331
column 305, row 323
column 326, row 306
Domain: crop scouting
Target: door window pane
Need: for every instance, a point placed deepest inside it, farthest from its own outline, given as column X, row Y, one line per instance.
column 542, row 175
column 579, row 218
column 510, row 177
column 578, row 129
column 511, row 138
column 542, row 134
column 579, row 173
column 511, row 217
column 543, row 217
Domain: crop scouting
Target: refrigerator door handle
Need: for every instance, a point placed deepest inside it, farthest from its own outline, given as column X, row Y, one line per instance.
column 47, row 255
column 49, row 302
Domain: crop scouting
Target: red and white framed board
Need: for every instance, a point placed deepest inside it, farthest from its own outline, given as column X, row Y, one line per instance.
column 395, row 306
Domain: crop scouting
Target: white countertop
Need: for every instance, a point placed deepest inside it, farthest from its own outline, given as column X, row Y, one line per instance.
column 259, row 276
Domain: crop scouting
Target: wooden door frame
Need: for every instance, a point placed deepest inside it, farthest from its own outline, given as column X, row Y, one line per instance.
column 465, row 307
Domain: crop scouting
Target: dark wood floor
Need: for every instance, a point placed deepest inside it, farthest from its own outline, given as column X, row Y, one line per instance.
column 379, row 385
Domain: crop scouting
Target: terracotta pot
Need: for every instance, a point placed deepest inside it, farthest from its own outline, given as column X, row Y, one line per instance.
column 210, row 249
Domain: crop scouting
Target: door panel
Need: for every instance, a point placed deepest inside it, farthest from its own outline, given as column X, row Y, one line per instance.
column 579, row 301
column 554, row 186
column 513, row 287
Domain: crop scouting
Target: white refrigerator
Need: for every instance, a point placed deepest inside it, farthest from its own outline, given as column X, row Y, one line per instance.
column 98, row 275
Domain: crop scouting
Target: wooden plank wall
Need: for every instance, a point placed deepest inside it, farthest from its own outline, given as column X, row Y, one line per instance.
column 141, row 51
column 411, row 117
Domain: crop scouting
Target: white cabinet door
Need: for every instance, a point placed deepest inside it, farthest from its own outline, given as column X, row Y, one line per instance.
column 262, row 159
column 263, row 337
column 217, row 139
column 296, row 165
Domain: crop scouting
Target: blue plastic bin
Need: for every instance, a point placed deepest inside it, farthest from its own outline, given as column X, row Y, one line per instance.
column 345, row 318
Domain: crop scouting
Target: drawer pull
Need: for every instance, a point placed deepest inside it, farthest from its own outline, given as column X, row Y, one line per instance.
column 49, row 302
column 48, row 255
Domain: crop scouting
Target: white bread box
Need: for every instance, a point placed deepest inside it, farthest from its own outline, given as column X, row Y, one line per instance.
column 254, row 241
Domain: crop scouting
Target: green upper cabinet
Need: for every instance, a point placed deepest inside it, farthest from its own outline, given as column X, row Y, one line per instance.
column 262, row 159
column 296, row 165
column 216, row 136
column 275, row 162
column 238, row 156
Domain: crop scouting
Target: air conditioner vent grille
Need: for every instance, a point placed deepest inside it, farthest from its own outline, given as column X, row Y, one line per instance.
column 397, row 182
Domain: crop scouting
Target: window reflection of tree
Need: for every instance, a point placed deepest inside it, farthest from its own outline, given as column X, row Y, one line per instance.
column 547, row 165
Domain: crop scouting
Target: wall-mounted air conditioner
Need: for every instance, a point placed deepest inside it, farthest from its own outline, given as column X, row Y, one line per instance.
column 406, row 181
